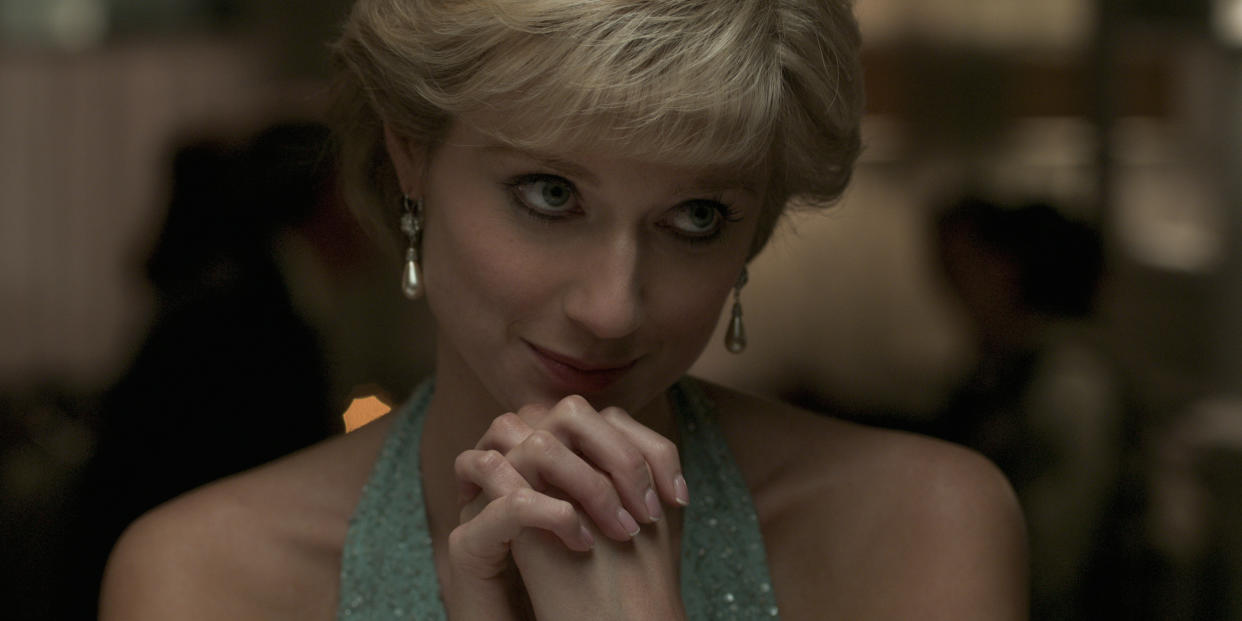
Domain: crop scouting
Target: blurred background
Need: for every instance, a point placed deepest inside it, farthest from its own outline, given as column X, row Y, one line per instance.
column 1039, row 257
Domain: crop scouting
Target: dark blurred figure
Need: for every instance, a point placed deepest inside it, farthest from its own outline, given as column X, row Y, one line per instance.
column 44, row 443
column 229, row 376
column 1042, row 401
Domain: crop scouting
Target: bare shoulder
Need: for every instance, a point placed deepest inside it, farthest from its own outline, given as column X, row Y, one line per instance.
column 264, row 544
column 876, row 524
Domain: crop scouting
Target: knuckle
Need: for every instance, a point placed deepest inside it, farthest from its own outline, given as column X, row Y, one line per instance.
column 490, row 462
column 521, row 500
column 665, row 452
column 462, row 461
column 574, row 405
column 505, row 424
column 532, row 411
column 563, row 513
column 542, row 442
column 614, row 413
column 457, row 538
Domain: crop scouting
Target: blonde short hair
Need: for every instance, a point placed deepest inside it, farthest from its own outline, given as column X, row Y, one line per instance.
column 770, row 87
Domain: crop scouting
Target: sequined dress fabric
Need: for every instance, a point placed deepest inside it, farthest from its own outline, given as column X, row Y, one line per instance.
column 387, row 569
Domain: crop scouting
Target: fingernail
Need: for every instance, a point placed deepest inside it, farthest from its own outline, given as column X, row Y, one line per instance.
column 653, row 505
column 586, row 536
column 627, row 522
column 680, row 492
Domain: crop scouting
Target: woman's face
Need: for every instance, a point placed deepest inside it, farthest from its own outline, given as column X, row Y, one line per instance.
column 552, row 274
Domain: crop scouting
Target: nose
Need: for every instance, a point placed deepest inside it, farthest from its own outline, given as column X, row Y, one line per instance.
column 605, row 296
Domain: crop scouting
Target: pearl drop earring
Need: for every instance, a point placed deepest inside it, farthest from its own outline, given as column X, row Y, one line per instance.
column 412, row 226
column 735, row 335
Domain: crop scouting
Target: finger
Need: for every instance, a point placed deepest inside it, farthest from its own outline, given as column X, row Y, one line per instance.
column 506, row 431
column 578, row 425
column 659, row 452
column 480, row 547
column 485, row 471
column 545, row 462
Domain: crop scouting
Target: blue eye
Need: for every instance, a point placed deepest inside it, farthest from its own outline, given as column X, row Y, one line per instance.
column 700, row 220
column 546, row 196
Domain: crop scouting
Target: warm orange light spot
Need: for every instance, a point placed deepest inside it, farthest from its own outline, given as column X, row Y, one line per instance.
column 364, row 410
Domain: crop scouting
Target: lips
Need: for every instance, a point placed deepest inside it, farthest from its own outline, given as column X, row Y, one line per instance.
column 575, row 376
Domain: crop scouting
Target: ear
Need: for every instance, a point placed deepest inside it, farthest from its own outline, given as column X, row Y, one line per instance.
column 409, row 159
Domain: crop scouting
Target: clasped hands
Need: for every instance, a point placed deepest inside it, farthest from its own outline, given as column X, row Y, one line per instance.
column 536, row 490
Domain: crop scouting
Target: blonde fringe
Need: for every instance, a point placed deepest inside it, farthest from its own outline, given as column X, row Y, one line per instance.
column 766, row 86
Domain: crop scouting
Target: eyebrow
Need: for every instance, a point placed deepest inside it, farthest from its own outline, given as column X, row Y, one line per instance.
column 712, row 182
column 717, row 181
column 560, row 165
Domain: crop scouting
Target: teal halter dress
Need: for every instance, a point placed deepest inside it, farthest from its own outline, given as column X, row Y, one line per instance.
column 387, row 569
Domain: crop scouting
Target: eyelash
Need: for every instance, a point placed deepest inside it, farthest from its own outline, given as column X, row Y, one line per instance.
column 515, row 184
column 728, row 213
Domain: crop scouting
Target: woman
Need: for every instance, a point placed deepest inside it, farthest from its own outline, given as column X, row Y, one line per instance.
column 577, row 187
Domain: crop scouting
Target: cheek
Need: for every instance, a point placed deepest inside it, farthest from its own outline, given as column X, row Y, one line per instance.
column 689, row 309
column 474, row 268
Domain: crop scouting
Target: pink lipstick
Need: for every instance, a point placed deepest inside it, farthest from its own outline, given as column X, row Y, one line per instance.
column 575, row 376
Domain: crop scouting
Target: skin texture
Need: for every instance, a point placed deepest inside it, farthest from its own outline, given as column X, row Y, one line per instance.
column 858, row 523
